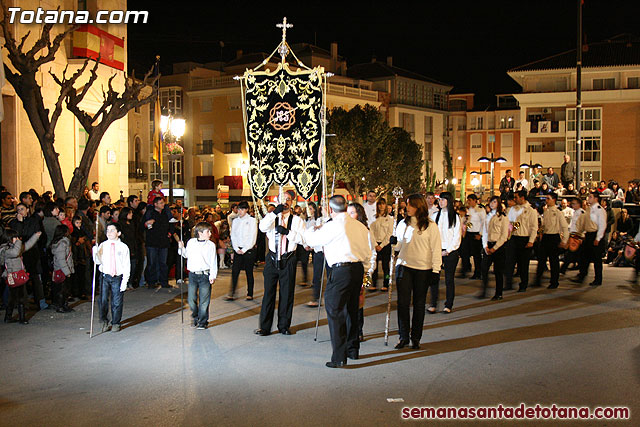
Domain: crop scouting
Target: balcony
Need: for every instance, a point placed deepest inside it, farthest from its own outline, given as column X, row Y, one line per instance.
column 138, row 172
column 205, row 147
column 545, row 128
column 354, row 92
column 233, row 147
column 213, row 82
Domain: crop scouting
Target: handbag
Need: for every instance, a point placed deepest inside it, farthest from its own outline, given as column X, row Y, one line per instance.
column 17, row 278
column 58, row 276
column 630, row 250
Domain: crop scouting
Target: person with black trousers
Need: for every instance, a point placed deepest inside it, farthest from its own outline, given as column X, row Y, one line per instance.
column 348, row 253
column 495, row 233
column 418, row 265
column 157, row 233
column 314, row 220
column 243, row 238
column 472, row 240
column 381, row 231
column 555, row 237
column 593, row 223
column 284, row 230
column 450, row 235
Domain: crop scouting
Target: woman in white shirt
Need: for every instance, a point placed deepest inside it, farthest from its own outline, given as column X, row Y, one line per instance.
column 495, row 233
column 381, row 231
column 314, row 220
column 449, row 225
column 418, row 266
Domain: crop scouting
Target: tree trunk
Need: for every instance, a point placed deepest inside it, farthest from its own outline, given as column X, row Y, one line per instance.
column 81, row 173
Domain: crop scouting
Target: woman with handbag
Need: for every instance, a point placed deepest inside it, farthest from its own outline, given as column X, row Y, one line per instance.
column 11, row 250
column 418, row 266
column 62, row 268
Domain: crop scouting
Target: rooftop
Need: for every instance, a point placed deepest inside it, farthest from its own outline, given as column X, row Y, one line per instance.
column 377, row 70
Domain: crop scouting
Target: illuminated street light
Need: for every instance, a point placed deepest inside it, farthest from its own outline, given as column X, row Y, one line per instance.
column 173, row 129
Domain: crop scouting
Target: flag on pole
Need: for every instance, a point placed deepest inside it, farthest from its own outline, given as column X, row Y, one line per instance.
column 157, row 134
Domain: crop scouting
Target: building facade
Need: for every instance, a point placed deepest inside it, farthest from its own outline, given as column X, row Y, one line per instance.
column 23, row 165
column 610, row 130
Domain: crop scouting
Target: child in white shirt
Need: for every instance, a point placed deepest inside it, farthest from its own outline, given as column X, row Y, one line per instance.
column 203, row 270
column 112, row 256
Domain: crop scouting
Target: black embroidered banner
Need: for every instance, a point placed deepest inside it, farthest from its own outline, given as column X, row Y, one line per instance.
column 283, row 125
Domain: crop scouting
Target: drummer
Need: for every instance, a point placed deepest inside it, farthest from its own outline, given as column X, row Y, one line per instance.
column 572, row 257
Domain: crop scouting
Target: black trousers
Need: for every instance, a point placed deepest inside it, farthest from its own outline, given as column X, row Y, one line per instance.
column 273, row 275
column 341, row 303
column 571, row 258
column 471, row 247
column 318, row 264
column 261, row 247
column 592, row 254
column 383, row 256
column 449, row 264
column 498, row 261
column 549, row 249
column 414, row 282
column 244, row 262
column 517, row 251
column 302, row 256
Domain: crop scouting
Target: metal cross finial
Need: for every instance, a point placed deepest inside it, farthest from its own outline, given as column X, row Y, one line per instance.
column 284, row 27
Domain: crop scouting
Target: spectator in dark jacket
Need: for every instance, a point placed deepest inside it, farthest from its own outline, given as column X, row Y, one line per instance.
column 552, row 179
column 567, row 171
column 157, row 243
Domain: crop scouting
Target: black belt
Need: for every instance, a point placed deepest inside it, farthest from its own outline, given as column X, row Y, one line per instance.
column 345, row 264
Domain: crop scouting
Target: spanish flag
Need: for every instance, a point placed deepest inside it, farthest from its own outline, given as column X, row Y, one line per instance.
column 157, row 133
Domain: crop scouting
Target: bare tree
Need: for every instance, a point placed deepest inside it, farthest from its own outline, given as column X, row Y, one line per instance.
column 115, row 105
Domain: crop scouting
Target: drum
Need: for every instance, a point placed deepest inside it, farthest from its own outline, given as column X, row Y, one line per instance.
column 575, row 240
column 630, row 250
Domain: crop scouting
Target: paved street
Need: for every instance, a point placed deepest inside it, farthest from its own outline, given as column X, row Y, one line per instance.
column 571, row 346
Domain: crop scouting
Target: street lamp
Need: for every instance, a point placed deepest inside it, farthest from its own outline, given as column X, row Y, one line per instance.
column 493, row 160
column 172, row 130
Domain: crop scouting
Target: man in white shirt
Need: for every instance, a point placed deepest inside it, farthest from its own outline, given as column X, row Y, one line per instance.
column 566, row 210
column 524, row 226
column 594, row 242
column 523, row 181
column 94, row 193
column 370, row 207
column 472, row 242
column 284, row 231
column 232, row 215
column 569, row 256
column 348, row 253
column 431, row 203
column 115, row 267
column 243, row 239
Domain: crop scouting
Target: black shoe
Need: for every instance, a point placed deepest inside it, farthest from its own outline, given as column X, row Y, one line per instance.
column 496, row 298
column 229, row 298
column 8, row 317
column 552, row 287
column 475, row 277
column 202, row 327
column 578, row 279
column 336, row 364
column 415, row 345
column 522, row 290
column 285, row 331
column 401, row 344
column 21, row 315
column 353, row 355
column 594, row 283
column 261, row 332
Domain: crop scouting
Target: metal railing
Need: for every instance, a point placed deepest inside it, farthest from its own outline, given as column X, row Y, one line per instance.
column 198, row 83
column 355, row 92
column 205, row 147
column 232, row 147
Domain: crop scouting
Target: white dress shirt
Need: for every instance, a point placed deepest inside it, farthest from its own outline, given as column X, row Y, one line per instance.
column 292, row 240
column 476, row 218
column 113, row 258
column 344, row 240
column 495, row 229
column 419, row 249
column 450, row 236
column 568, row 214
column 574, row 220
column 524, row 182
column 599, row 218
column 201, row 256
column 370, row 211
column 311, row 224
column 244, row 233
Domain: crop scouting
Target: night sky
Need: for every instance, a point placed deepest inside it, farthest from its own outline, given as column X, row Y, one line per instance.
column 469, row 45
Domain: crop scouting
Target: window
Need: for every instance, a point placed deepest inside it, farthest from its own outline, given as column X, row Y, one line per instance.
column 407, row 123
column 589, row 175
column 439, row 100
column 506, row 141
column 591, row 119
column 604, row 84
column 534, row 146
column 458, row 105
column 206, row 105
column 476, row 141
column 480, row 121
column 171, row 101
column 546, row 146
column 633, row 83
column 236, row 171
column 590, row 148
column 428, row 138
column 510, row 122
column 232, row 147
column 235, row 102
column 206, row 147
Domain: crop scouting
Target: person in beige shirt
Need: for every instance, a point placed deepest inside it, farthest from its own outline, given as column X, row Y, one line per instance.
column 381, row 230
column 524, row 228
column 495, row 232
column 555, row 237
